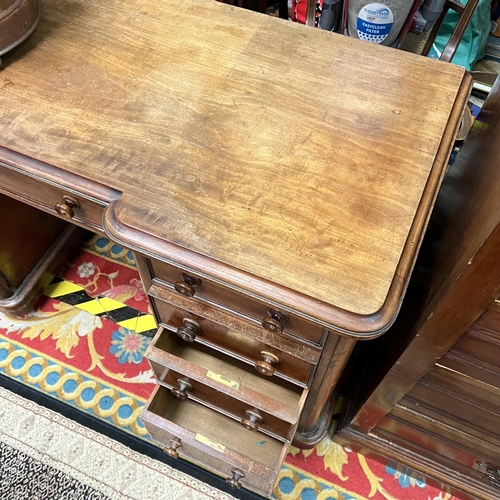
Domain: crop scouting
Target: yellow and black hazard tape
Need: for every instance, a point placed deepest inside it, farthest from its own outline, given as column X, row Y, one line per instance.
column 121, row 314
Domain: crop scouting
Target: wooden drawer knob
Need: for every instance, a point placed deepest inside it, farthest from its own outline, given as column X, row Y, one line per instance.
column 274, row 320
column 250, row 423
column 493, row 471
column 187, row 286
column 65, row 208
column 171, row 450
column 184, row 288
column 189, row 330
column 265, row 366
column 493, row 480
column 234, row 481
column 180, row 392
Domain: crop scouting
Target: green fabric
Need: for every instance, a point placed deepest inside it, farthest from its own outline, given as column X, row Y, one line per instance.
column 471, row 47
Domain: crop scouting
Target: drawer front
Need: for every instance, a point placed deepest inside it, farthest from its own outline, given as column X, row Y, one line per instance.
column 214, row 441
column 54, row 199
column 223, row 374
column 267, row 359
column 251, row 418
column 272, row 319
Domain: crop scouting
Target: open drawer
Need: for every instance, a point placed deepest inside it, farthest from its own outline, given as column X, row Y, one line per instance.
column 198, row 322
column 214, row 441
column 193, row 371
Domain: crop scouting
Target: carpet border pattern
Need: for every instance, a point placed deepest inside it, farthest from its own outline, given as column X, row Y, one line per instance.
column 118, row 472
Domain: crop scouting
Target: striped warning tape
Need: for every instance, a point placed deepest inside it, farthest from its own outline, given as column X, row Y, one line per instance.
column 121, row 314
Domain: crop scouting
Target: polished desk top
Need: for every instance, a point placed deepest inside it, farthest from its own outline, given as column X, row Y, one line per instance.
column 289, row 162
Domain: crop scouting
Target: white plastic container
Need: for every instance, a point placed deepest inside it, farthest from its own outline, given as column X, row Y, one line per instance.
column 377, row 22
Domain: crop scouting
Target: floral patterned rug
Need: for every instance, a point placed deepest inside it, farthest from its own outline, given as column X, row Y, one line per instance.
column 84, row 344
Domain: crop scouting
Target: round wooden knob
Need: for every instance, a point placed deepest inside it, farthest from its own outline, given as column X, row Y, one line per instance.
column 184, row 288
column 234, row 481
column 65, row 208
column 272, row 325
column 274, row 320
column 265, row 366
column 493, row 471
column 250, row 423
column 189, row 330
column 180, row 392
column 492, row 479
column 172, row 449
column 187, row 286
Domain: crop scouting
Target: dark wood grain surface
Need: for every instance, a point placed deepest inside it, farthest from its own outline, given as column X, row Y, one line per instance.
column 277, row 157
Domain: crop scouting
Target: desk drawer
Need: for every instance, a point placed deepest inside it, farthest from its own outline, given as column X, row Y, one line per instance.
column 53, row 198
column 214, row 441
column 194, row 321
column 185, row 386
column 217, row 379
column 273, row 320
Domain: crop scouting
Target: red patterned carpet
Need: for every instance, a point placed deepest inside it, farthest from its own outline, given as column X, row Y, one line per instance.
column 84, row 344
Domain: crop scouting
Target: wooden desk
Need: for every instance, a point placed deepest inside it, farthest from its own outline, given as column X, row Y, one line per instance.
column 274, row 181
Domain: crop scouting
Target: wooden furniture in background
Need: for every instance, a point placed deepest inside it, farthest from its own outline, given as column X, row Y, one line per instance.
column 275, row 195
column 18, row 19
column 466, row 12
column 437, row 408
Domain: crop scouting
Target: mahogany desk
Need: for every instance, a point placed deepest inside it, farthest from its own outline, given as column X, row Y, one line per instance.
column 273, row 180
